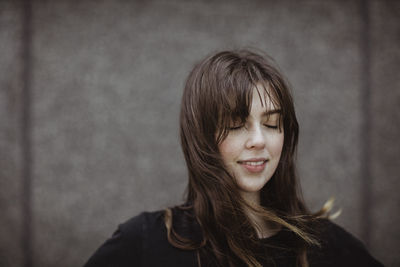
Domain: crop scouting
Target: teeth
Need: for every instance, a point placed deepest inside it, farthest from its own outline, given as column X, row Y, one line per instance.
column 254, row 163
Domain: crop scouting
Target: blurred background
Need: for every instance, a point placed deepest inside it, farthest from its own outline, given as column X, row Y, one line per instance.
column 89, row 104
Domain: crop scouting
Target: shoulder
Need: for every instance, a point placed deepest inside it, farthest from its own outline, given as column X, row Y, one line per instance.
column 136, row 226
column 141, row 241
column 150, row 226
column 335, row 235
column 341, row 247
column 127, row 244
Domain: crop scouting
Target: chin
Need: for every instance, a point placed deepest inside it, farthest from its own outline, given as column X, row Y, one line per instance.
column 252, row 188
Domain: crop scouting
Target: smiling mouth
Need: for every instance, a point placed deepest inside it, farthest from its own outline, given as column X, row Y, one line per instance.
column 253, row 166
column 253, row 162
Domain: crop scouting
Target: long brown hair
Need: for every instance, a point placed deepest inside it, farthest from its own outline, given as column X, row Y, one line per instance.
column 218, row 90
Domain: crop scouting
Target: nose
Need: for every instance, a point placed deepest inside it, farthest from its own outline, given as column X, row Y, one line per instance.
column 256, row 139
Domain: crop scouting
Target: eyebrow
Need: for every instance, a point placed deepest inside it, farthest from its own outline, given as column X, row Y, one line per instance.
column 272, row 111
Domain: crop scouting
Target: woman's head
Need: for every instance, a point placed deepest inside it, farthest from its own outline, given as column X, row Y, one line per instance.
column 233, row 89
column 252, row 148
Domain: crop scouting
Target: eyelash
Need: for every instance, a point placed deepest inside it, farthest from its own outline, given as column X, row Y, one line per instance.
column 234, row 128
column 272, row 127
column 239, row 127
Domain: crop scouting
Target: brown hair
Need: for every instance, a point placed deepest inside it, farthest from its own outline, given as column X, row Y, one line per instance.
column 218, row 90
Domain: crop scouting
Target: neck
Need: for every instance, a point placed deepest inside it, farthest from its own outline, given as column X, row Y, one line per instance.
column 251, row 197
column 263, row 228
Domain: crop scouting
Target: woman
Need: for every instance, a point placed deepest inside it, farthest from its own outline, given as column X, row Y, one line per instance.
column 239, row 136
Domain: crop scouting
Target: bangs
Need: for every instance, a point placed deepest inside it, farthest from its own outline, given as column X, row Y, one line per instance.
column 237, row 95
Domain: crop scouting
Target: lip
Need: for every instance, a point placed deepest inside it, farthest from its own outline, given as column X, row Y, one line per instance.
column 253, row 168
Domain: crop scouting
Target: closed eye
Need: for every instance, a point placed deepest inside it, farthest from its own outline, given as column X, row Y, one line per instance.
column 271, row 126
column 233, row 128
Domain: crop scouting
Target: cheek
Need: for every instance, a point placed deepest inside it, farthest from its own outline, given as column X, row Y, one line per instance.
column 228, row 148
column 276, row 145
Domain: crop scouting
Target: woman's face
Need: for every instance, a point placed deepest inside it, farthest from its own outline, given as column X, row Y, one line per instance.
column 251, row 151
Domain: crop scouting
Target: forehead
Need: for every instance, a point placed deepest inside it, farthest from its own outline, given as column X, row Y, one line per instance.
column 236, row 99
column 260, row 102
column 263, row 98
column 241, row 104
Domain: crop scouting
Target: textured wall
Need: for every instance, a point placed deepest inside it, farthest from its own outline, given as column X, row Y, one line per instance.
column 385, row 133
column 11, row 197
column 107, row 77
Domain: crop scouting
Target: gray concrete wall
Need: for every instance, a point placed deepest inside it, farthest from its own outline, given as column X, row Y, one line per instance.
column 385, row 124
column 11, row 191
column 105, row 87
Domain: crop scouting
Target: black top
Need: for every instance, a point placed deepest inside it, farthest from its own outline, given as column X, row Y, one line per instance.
column 142, row 241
